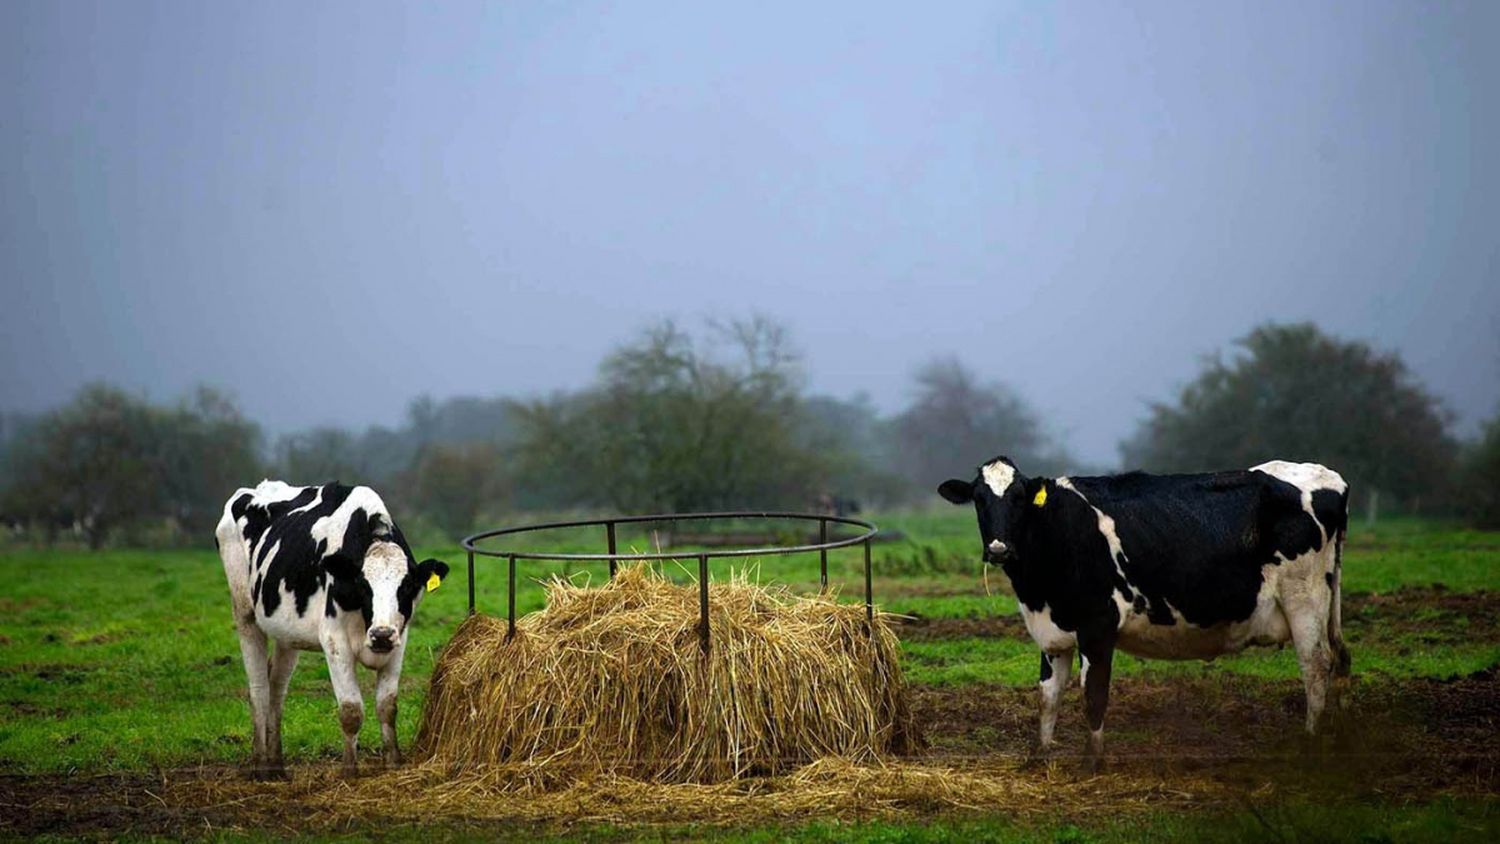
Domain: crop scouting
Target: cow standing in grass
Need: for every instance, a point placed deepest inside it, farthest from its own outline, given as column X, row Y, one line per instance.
column 320, row 568
column 1168, row 566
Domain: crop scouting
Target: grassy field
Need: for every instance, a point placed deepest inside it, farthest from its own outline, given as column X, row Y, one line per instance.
column 126, row 661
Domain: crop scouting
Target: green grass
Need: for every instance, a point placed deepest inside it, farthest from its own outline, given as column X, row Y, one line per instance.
column 956, row 662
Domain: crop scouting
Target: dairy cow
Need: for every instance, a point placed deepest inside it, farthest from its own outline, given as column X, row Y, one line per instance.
column 320, row 568
column 1167, row 566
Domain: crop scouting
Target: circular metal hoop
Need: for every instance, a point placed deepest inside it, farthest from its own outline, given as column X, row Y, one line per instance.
column 613, row 557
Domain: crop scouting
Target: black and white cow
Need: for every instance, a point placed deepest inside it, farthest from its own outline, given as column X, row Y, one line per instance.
column 1169, row 566
column 320, row 568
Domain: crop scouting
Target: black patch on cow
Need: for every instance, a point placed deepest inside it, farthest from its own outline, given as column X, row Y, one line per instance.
column 1332, row 510
column 1196, row 542
column 238, row 506
column 415, row 581
column 1046, row 668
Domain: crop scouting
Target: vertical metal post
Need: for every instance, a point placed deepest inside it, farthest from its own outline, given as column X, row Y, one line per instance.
column 609, row 532
column 823, row 554
column 869, row 587
column 511, row 600
column 703, row 601
column 471, row 583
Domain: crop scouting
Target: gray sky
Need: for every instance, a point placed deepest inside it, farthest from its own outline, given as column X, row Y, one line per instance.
column 330, row 208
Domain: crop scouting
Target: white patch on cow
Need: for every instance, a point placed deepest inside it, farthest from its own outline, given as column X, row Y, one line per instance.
column 385, row 568
column 1083, row 673
column 265, row 562
column 1045, row 632
column 998, row 476
column 1308, row 478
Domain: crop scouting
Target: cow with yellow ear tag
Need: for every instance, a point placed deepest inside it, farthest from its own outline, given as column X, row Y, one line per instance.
column 320, row 568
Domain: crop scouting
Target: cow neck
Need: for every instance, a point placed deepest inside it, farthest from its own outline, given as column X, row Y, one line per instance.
column 1042, row 559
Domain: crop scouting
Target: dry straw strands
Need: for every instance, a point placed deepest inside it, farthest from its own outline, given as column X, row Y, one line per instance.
column 319, row 798
column 612, row 681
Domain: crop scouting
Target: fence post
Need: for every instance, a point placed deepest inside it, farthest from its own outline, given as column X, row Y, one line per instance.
column 511, row 601
column 471, row 583
column 703, row 602
column 609, row 532
column 869, row 587
column 823, row 554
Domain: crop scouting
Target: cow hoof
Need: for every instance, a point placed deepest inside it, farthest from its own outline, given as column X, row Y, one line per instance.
column 266, row 773
column 1038, row 756
column 1093, row 765
column 349, row 772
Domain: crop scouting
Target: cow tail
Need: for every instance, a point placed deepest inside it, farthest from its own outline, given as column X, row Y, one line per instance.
column 1341, row 659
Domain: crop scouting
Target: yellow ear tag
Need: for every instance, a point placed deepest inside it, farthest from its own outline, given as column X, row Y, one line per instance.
column 1041, row 496
column 433, row 581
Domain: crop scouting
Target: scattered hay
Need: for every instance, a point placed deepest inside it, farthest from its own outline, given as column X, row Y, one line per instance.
column 318, row 797
column 612, row 681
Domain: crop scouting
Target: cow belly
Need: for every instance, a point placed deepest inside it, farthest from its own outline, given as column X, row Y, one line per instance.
column 285, row 625
column 1181, row 640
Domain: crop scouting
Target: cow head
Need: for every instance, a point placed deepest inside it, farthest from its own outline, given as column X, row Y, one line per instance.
column 1000, row 499
column 387, row 588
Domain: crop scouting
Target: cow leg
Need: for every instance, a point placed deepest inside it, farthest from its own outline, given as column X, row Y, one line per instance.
column 1308, row 619
column 386, row 682
column 283, row 663
column 1055, row 673
column 253, row 652
column 1098, row 663
column 351, row 703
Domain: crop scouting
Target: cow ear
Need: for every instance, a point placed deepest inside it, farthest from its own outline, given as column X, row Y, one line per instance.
column 957, row 491
column 340, row 567
column 430, row 567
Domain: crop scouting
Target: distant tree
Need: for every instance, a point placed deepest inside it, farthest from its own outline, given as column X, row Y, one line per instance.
column 1295, row 393
column 955, row 422
column 670, row 426
column 93, row 463
column 452, row 484
column 321, row 455
column 856, row 449
column 1479, row 488
column 206, row 448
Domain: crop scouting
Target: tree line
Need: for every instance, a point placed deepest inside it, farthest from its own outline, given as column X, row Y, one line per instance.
column 721, row 418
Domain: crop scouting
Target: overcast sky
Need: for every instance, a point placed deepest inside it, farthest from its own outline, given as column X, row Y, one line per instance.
column 330, row 208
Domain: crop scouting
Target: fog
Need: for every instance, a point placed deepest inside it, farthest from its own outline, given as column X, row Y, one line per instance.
column 330, row 209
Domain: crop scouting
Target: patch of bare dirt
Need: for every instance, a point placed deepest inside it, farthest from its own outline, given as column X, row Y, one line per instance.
column 1423, row 737
column 101, row 807
column 918, row 628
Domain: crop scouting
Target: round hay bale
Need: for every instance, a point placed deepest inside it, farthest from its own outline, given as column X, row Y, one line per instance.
column 613, row 680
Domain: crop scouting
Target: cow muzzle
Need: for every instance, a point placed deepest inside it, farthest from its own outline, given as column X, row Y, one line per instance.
column 998, row 552
column 382, row 639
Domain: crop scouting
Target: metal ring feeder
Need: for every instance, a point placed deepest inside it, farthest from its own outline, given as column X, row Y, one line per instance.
column 613, row 557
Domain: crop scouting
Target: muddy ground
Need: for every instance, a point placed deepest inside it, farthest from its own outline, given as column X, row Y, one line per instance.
column 1199, row 742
